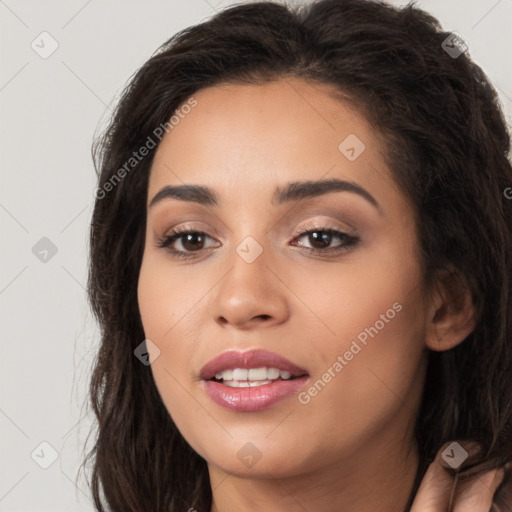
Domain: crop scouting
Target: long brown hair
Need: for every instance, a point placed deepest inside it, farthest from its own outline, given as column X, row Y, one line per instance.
column 448, row 146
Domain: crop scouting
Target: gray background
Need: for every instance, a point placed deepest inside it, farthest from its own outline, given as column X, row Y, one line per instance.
column 50, row 110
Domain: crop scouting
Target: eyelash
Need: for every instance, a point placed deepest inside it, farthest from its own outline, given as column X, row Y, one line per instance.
column 349, row 241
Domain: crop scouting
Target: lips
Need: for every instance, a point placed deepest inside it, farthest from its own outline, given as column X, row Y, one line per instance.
column 232, row 359
column 282, row 379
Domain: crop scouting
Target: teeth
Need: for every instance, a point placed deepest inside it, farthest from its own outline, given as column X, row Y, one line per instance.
column 240, row 373
column 257, row 374
column 226, row 375
column 250, row 375
column 273, row 373
column 246, row 383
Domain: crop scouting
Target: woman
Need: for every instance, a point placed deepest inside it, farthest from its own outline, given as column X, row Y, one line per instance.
column 300, row 263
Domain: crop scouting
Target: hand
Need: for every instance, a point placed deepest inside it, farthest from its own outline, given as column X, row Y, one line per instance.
column 474, row 495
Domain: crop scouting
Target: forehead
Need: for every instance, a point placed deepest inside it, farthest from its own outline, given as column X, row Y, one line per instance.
column 267, row 134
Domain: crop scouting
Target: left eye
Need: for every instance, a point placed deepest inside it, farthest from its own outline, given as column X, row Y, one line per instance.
column 320, row 238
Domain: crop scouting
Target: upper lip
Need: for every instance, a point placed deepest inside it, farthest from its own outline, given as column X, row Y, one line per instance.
column 249, row 359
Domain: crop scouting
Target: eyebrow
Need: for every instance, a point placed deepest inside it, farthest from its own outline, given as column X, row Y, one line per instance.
column 294, row 191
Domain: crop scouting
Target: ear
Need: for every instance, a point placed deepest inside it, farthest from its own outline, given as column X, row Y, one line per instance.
column 451, row 312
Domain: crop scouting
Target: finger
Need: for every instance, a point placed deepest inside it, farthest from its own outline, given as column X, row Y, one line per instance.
column 435, row 489
column 435, row 492
column 477, row 494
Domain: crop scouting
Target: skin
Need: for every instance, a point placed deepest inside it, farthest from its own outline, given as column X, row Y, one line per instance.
column 243, row 141
column 435, row 491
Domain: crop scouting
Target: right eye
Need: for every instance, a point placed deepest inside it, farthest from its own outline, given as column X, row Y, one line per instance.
column 191, row 241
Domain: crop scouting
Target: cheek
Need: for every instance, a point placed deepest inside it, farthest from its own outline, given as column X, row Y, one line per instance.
column 373, row 366
column 153, row 298
column 169, row 305
column 158, row 297
column 373, row 357
column 167, row 300
column 369, row 295
column 368, row 384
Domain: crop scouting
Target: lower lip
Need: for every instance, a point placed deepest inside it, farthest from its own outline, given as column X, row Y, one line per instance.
column 252, row 399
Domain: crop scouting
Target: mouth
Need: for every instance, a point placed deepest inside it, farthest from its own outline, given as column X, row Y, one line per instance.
column 251, row 380
column 253, row 377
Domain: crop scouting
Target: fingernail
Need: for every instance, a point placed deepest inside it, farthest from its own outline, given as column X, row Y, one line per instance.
column 499, row 475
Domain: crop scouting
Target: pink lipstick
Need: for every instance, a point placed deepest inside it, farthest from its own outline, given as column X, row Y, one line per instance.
column 252, row 380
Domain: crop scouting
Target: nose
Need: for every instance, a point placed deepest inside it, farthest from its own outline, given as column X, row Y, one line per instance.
column 251, row 295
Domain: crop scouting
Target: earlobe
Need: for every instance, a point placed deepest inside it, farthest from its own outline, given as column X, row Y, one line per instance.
column 451, row 315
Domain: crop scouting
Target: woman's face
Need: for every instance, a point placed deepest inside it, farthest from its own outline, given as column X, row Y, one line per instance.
column 346, row 308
